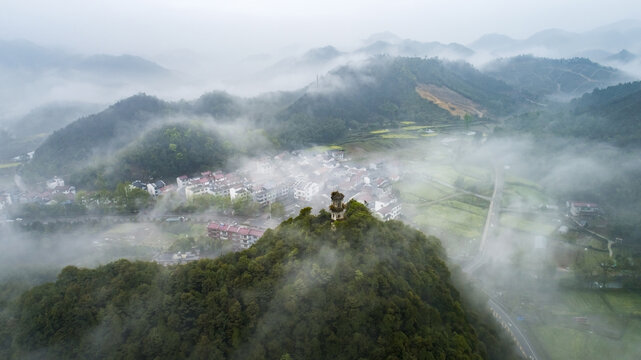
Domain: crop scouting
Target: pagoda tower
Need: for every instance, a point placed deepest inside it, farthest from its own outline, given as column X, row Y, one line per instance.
column 337, row 208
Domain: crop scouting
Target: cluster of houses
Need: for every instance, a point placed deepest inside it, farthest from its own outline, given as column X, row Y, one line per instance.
column 55, row 192
column 154, row 189
column 303, row 179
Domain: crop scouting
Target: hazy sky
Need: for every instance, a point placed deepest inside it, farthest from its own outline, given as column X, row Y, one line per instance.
column 148, row 27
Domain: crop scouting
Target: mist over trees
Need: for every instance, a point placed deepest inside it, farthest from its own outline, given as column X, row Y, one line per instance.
column 368, row 289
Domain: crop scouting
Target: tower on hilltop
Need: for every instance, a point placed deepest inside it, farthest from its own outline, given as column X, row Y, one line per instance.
column 337, row 208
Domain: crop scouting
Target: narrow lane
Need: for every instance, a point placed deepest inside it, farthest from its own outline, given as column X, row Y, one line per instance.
column 491, row 222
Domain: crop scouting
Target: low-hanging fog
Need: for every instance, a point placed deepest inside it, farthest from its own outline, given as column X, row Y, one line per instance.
column 65, row 62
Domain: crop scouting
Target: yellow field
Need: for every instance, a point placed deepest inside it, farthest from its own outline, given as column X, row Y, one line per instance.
column 9, row 165
column 398, row 136
column 446, row 99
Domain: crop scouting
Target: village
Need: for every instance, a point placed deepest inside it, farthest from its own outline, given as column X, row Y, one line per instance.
column 289, row 180
column 294, row 180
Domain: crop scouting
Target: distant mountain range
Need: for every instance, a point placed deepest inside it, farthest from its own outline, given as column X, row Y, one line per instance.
column 350, row 100
column 606, row 40
column 23, row 55
column 34, row 76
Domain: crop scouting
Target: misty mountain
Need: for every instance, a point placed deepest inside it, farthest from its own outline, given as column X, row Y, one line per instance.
column 34, row 76
column 96, row 135
column 21, row 54
column 412, row 48
column 609, row 119
column 385, row 36
column 386, row 91
column 123, row 65
column 623, row 56
column 360, row 288
column 25, row 55
column 347, row 101
column 560, row 43
column 493, row 42
column 47, row 118
column 144, row 137
column 620, row 105
column 317, row 60
column 322, row 54
column 543, row 76
column 321, row 60
column 610, row 115
column 27, row 132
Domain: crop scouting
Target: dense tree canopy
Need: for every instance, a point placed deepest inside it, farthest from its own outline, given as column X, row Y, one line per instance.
column 360, row 288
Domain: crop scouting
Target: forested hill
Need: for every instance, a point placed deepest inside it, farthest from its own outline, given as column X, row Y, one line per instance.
column 109, row 130
column 364, row 290
column 543, row 76
column 388, row 90
column 613, row 102
column 611, row 115
column 383, row 92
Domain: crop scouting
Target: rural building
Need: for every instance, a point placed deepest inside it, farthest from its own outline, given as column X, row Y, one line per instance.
column 241, row 237
column 584, row 209
column 305, row 190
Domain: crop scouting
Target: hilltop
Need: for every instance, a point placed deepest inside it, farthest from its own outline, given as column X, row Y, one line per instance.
column 366, row 289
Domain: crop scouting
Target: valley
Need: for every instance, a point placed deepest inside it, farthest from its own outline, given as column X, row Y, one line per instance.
column 393, row 198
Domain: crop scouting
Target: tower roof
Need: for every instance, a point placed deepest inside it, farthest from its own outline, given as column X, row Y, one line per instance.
column 337, row 196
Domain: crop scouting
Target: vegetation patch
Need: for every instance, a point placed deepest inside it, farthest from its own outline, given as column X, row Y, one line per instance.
column 309, row 289
column 9, row 165
column 453, row 217
column 383, row 131
column 415, row 127
column 322, row 148
column 398, row 136
column 526, row 224
column 421, row 191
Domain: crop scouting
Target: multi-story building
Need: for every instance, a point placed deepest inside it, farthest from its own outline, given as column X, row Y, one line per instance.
column 305, row 190
column 241, row 237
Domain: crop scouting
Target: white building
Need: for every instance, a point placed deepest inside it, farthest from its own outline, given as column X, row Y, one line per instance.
column 389, row 212
column 305, row 190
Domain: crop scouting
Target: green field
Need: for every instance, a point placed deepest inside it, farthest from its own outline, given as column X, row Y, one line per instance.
column 569, row 344
column 325, row 148
column 9, row 165
column 612, row 329
column 521, row 193
column 398, row 136
column 452, row 216
column 415, row 127
column 383, row 131
column 417, row 192
column 528, row 224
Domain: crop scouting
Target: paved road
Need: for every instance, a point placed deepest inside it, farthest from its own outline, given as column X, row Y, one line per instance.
column 260, row 222
column 491, row 220
column 508, row 323
column 481, row 258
